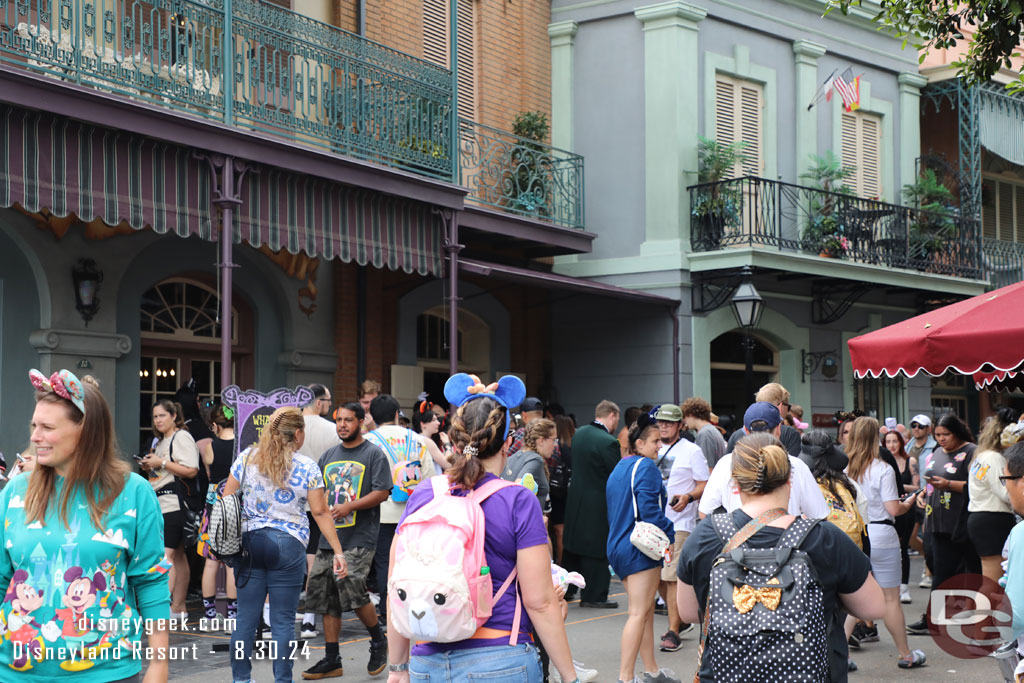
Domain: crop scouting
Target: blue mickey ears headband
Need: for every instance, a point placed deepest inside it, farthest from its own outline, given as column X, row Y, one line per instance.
column 509, row 392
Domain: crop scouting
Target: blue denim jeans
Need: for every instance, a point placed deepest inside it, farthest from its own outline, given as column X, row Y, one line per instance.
column 277, row 568
column 495, row 664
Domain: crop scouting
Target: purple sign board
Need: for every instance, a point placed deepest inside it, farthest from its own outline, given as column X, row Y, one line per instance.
column 254, row 408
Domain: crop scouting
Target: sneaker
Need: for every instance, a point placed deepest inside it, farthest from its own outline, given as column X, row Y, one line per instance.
column 660, row 607
column 265, row 629
column 584, row 674
column 926, row 581
column 325, row 668
column 374, row 598
column 851, row 665
column 914, row 660
column 378, row 657
column 854, row 642
column 870, row 634
column 663, row 676
column 229, row 625
column 670, row 641
column 905, row 596
column 308, row 630
column 918, row 628
column 686, row 628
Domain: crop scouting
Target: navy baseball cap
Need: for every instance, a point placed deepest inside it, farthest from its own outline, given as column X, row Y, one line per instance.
column 761, row 417
column 531, row 404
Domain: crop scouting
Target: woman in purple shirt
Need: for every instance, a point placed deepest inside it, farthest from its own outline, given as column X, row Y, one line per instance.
column 514, row 539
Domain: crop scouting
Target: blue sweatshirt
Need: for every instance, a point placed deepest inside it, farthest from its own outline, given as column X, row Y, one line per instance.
column 75, row 596
column 650, row 499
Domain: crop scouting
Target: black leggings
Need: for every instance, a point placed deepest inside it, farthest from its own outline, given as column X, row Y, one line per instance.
column 950, row 558
column 904, row 529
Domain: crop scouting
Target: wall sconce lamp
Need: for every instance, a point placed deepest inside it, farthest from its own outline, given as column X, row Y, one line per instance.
column 87, row 278
column 828, row 361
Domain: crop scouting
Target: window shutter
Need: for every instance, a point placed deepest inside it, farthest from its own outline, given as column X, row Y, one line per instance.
column 435, row 31
column 1017, row 235
column 738, row 110
column 467, row 59
column 436, row 46
column 1004, row 211
column 989, row 224
column 862, row 148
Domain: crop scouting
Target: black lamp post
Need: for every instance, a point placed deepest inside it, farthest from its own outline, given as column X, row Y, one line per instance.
column 747, row 305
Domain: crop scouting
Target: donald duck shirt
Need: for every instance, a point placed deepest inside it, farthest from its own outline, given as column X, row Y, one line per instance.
column 77, row 598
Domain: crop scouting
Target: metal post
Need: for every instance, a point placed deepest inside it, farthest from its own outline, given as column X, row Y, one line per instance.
column 228, row 47
column 227, row 217
column 453, row 64
column 748, row 373
column 673, row 315
column 452, row 247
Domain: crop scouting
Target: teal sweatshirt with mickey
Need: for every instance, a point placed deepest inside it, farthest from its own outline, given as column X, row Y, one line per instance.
column 76, row 597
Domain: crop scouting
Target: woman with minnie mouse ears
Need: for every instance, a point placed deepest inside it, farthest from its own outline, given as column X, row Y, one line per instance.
column 514, row 531
column 83, row 544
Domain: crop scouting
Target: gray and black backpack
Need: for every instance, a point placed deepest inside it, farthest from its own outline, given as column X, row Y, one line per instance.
column 766, row 620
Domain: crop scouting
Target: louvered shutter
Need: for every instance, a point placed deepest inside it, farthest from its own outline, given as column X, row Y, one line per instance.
column 1004, row 211
column 989, row 223
column 738, row 111
column 862, row 148
column 436, row 46
column 1017, row 235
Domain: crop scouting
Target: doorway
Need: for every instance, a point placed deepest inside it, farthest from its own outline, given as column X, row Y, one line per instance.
column 181, row 334
column 728, row 368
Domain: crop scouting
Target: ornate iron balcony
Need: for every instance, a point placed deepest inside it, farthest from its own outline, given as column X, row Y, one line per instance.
column 520, row 176
column 755, row 212
column 1003, row 261
column 245, row 63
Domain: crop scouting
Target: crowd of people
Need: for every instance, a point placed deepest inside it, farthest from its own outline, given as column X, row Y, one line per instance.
column 777, row 547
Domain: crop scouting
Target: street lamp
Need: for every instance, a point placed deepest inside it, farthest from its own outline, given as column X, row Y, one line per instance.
column 747, row 306
column 86, row 278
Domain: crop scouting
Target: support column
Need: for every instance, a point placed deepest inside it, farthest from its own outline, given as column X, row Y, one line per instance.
column 227, row 173
column 910, row 124
column 805, row 57
column 452, row 248
column 563, row 38
column 671, row 88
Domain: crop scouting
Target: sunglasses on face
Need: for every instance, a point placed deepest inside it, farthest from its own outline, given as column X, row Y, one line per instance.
column 1010, row 477
column 916, row 425
column 788, row 405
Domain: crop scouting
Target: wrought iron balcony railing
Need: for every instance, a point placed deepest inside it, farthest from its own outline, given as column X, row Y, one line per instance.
column 1003, row 261
column 521, row 176
column 755, row 212
column 245, row 63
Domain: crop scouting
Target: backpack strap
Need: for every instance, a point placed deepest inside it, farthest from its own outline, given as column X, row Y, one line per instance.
column 493, row 486
column 793, row 537
column 632, row 490
column 480, row 495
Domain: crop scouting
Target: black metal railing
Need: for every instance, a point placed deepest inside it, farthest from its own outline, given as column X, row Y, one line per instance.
column 756, row 212
column 1003, row 262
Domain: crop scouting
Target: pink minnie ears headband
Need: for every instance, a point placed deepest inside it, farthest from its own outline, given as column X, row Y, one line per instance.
column 64, row 383
column 509, row 392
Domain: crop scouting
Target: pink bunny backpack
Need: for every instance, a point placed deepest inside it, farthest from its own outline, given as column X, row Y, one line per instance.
column 440, row 588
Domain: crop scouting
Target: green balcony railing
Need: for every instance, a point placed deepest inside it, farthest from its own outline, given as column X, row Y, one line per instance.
column 289, row 76
column 1002, row 262
column 521, row 176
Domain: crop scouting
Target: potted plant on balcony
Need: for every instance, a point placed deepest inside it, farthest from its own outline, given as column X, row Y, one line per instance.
column 527, row 191
column 716, row 203
column 933, row 224
column 824, row 233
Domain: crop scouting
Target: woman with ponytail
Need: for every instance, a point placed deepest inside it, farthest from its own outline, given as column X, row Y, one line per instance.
column 514, row 540
column 638, row 475
column 276, row 483
column 761, row 470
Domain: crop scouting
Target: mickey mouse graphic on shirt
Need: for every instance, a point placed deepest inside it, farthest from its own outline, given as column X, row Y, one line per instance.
column 76, row 628
column 19, row 625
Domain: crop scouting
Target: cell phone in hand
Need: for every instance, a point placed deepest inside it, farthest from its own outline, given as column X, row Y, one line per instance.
column 674, row 501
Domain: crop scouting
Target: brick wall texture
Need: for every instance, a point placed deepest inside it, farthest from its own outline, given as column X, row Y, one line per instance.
column 513, row 54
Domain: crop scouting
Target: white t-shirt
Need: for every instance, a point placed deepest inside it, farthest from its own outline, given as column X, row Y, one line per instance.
column 878, row 484
column 321, row 435
column 805, row 497
column 688, row 467
column 666, row 454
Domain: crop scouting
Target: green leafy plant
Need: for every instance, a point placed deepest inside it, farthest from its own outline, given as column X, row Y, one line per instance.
column 824, row 232
column 716, row 204
column 933, row 224
column 528, row 190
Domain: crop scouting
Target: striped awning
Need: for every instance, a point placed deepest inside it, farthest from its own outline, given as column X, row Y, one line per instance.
column 67, row 167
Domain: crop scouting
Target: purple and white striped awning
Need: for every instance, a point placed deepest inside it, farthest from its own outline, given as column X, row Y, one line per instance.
column 68, row 167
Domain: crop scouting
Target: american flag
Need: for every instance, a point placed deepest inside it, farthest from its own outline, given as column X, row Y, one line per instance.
column 848, row 88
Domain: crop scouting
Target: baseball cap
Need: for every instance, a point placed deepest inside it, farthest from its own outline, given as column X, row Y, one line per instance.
column 531, row 404
column 922, row 420
column 669, row 413
column 761, row 417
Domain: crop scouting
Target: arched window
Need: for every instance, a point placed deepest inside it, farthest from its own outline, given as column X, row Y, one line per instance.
column 183, row 310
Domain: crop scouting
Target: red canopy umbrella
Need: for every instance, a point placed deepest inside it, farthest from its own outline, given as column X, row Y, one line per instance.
column 984, row 333
column 999, row 381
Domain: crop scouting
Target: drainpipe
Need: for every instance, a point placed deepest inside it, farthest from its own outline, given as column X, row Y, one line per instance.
column 227, row 197
column 361, row 323
column 361, row 25
column 673, row 315
column 452, row 247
